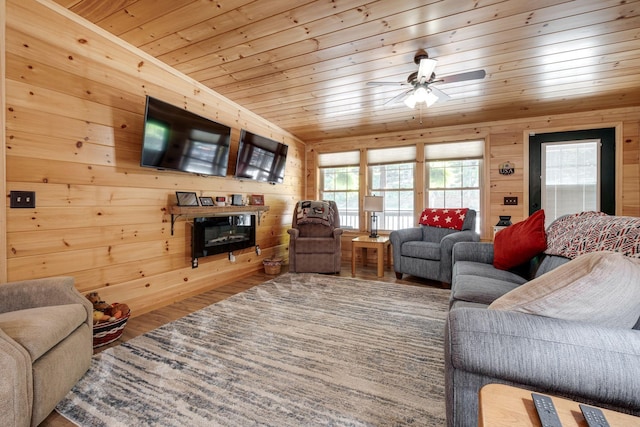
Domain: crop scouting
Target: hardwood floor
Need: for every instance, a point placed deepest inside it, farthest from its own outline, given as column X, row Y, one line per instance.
column 148, row 321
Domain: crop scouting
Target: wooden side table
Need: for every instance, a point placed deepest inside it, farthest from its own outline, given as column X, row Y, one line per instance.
column 502, row 405
column 380, row 243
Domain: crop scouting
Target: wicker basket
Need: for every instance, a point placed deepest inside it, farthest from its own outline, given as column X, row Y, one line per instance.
column 272, row 265
column 108, row 332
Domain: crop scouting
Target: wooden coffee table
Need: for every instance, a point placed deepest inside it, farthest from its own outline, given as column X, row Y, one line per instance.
column 380, row 243
column 502, row 405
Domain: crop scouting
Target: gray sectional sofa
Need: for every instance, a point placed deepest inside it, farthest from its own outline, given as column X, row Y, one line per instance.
column 582, row 361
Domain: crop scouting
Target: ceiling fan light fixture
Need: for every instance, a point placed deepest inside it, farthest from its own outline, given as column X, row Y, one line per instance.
column 421, row 94
column 431, row 99
column 410, row 101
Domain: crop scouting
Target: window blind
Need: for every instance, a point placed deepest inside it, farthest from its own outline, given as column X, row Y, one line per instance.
column 454, row 150
column 345, row 158
column 379, row 156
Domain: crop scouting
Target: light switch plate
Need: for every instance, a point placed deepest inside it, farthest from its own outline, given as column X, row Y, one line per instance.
column 511, row 201
column 22, row 199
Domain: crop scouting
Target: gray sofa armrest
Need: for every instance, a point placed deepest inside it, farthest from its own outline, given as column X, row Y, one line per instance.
column 579, row 359
column 473, row 251
column 446, row 249
column 294, row 233
column 398, row 237
column 42, row 293
column 16, row 392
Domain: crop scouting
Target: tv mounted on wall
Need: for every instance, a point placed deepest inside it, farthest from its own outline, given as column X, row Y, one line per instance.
column 260, row 159
column 179, row 140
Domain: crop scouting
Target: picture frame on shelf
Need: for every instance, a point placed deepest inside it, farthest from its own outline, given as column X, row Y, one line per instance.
column 257, row 200
column 206, row 201
column 187, row 198
column 236, row 200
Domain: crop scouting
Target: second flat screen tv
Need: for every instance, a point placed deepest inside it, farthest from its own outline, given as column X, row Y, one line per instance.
column 179, row 140
column 260, row 159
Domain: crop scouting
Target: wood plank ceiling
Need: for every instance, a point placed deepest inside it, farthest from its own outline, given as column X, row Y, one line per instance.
column 304, row 64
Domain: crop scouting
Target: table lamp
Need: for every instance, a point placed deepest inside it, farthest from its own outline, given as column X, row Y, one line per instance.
column 374, row 204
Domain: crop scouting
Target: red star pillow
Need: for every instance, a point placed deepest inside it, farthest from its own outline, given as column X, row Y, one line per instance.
column 444, row 218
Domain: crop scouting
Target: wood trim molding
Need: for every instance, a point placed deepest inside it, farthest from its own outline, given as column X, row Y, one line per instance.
column 3, row 156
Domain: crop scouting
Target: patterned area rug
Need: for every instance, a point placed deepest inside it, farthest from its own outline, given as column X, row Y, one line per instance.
column 298, row 350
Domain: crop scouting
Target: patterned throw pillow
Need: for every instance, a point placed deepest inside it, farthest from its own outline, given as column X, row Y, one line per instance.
column 444, row 218
column 574, row 235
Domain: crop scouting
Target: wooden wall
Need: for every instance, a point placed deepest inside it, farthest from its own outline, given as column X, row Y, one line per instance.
column 508, row 141
column 75, row 98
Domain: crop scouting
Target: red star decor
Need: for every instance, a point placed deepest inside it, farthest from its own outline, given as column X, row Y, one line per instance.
column 444, row 218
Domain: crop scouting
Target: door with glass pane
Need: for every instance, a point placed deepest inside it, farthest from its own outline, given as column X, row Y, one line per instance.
column 575, row 162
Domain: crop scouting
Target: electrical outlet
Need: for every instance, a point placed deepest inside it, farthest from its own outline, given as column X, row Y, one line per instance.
column 22, row 199
column 258, row 250
column 194, row 263
column 511, row 201
column 232, row 257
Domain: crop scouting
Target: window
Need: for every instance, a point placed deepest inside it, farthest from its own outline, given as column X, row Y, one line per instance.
column 392, row 175
column 453, row 172
column 570, row 178
column 340, row 182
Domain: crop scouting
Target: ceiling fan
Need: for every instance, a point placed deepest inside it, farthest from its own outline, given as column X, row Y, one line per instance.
column 422, row 90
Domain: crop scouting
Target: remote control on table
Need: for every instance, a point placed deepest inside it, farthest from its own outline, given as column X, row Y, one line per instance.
column 594, row 416
column 546, row 410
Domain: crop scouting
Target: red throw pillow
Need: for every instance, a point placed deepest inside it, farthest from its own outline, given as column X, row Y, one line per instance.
column 444, row 218
column 519, row 242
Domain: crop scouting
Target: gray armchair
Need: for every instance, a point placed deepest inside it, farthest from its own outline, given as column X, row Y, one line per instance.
column 426, row 251
column 45, row 346
column 315, row 238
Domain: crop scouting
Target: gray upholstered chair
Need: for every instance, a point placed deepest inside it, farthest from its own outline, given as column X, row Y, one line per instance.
column 426, row 251
column 46, row 344
column 314, row 239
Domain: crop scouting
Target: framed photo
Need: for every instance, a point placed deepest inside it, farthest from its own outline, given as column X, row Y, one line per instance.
column 206, row 201
column 236, row 199
column 257, row 199
column 187, row 198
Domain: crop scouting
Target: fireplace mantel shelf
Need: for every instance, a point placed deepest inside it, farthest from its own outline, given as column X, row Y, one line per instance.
column 207, row 211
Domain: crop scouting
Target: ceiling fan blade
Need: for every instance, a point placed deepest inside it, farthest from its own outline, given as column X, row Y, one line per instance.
column 398, row 98
column 387, row 84
column 440, row 94
column 470, row 75
column 425, row 69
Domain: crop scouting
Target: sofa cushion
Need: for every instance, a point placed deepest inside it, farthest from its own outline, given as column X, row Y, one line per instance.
column 519, row 242
column 422, row 250
column 478, row 289
column 599, row 287
column 471, row 268
column 316, row 245
column 39, row 329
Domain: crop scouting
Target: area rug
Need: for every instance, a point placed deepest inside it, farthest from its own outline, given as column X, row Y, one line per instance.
column 298, row 350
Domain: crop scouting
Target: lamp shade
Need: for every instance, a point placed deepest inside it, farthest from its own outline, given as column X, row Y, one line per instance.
column 373, row 203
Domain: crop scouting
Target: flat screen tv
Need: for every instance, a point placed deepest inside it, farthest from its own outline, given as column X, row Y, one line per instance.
column 179, row 140
column 260, row 159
